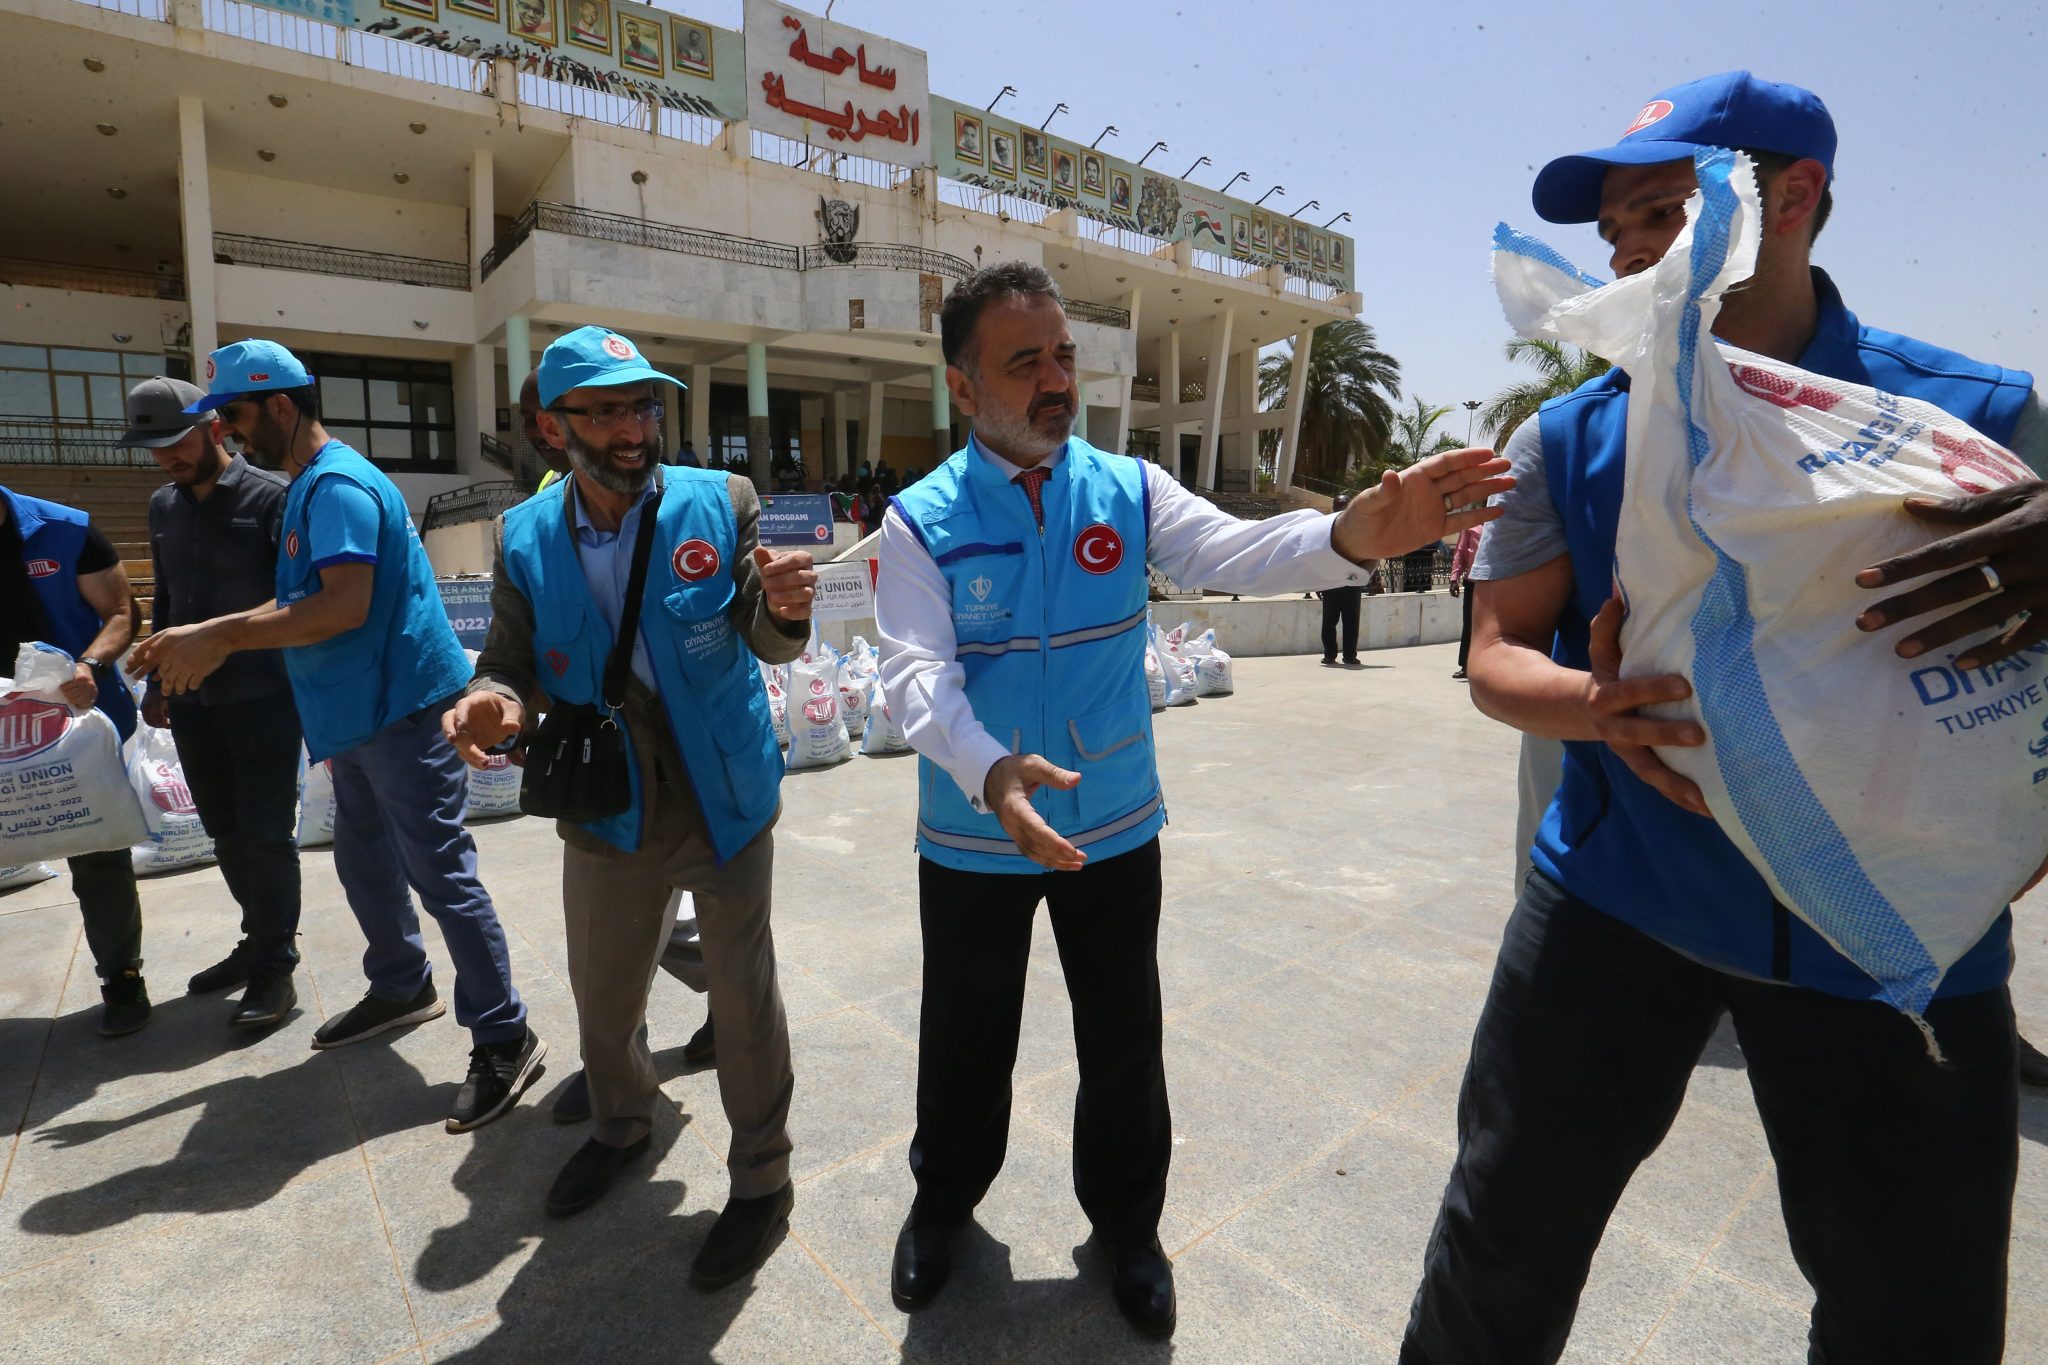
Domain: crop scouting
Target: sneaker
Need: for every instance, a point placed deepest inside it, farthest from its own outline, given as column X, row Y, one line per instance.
column 373, row 1015
column 126, row 1001
column 231, row 970
column 498, row 1072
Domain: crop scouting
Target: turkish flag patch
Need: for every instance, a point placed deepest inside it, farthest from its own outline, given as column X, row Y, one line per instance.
column 1099, row 549
column 695, row 559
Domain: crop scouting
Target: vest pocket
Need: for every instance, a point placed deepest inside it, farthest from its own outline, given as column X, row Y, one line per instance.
column 1113, row 754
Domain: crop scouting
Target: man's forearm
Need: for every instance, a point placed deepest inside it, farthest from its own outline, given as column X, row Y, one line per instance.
column 305, row 622
column 116, row 634
column 1523, row 687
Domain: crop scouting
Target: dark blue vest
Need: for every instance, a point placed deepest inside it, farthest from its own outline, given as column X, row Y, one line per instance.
column 1611, row 840
column 52, row 536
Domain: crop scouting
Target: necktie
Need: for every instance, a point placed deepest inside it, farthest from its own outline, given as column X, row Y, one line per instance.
column 1033, row 480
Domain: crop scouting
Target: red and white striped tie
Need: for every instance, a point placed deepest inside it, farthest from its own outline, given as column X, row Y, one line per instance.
column 1033, row 480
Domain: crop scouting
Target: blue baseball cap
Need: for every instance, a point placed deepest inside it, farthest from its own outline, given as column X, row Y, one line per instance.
column 1733, row 109
column 593, row 358
column 249, row 367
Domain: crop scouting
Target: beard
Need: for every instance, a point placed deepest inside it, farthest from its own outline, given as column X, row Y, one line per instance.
column 1037, row 432
column 596, row 462
column 269, row 441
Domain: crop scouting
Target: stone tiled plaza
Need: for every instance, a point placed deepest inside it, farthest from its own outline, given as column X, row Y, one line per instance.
column 1337, row 872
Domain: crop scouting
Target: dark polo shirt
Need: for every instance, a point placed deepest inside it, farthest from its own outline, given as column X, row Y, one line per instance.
column 216, row 557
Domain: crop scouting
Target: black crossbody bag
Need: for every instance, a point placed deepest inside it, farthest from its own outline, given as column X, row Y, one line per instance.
column 577, row 767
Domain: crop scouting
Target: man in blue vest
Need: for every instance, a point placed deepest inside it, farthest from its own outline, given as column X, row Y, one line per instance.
column 1641, row 925
column 61, row 582
column 706, row 773
column 373, row 663
column 1011, row 606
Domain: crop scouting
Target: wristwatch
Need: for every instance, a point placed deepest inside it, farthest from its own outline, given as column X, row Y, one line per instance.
column 98, row 666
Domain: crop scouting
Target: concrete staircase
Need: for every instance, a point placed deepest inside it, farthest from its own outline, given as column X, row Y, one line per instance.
column 116, row 498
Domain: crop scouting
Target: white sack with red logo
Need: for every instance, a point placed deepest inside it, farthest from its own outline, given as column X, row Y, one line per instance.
column 858, row 669
column 1177, row 672
column 775, row 682
column 176, row 838
column 1212, row 666
column 63, row 787
column 27, row 874
column 1896, row 805
column 817, row 734
column 884, row 734
column 316, row 801
column 493, row 788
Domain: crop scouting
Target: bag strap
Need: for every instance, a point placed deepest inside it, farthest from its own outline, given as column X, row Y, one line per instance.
column 621, row 659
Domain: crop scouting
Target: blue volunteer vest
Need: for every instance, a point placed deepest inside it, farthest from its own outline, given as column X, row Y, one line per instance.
column 1050, row 630
column 709, row 684
column 52, row 537
column 1610, row 839
column 404, row 654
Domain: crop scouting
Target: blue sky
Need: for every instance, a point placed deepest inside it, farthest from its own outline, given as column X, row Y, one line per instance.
column 1427, row 123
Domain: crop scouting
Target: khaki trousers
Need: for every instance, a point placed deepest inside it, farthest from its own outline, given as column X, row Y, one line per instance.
column 620, row 911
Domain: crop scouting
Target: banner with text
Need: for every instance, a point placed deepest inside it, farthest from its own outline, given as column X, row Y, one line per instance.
column 846, row 590
column 633, row 51
column 835, row 86
column 996, row 153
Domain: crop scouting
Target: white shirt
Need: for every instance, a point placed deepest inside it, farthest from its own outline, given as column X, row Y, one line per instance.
column 1189, row 539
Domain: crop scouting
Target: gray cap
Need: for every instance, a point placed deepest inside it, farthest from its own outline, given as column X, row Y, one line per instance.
column 156, row 412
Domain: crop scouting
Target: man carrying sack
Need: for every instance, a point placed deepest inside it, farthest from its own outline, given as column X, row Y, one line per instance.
column 631, row 603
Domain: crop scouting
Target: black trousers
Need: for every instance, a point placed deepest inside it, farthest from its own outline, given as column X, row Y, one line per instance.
column 977, row 938
column 1895, row 1173
column 105, row 886
column 1465, row 635
column 241, row 761
column 1341, row 604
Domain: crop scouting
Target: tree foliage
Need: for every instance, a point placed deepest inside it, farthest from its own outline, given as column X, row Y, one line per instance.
column 1560, row 368
column 1347, row 406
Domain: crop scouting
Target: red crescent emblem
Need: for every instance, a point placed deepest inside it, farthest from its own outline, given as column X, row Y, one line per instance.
column 1099, row 549
column 694, row 560
column 618, row 347
column 291, row 544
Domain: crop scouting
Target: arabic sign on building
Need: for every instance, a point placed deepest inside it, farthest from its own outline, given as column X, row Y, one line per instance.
column 619, row 49
column 978, row 148
column 836, row 86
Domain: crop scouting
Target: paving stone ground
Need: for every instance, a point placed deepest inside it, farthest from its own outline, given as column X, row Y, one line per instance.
column 1338, row 869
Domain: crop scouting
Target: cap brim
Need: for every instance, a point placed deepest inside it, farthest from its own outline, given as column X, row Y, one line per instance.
column 610, row 379
column 210, row 404
column 1568, row 189
column 155, row 438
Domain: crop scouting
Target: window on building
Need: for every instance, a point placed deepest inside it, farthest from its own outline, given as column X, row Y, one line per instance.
column 69, row 404
column 729, row 429
column 400, row 413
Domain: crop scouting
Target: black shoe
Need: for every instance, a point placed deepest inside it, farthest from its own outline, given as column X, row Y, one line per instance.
column 589, row 1174
column 268, row 1000
column 373, row 1015
column 573, row 1104
column 923, row 1261
column 231, row 970
column 1144, row 1288
column 745, row 1233
column 1457, row 673
column 2033, row 1065
column 1351, row 661
column 498, row 1072
column 702, row 1047
column 1329, row 661
column 126, row 1001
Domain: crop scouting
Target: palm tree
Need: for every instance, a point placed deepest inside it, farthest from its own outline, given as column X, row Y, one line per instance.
column 1409, row 441
column 1560, row 369
column 1347, row 404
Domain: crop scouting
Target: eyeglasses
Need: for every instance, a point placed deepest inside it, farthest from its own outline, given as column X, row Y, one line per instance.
column 612, row 414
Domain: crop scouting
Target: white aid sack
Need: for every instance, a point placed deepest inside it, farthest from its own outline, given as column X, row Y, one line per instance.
column 316, row 802
column 884, row 734
column 1177, row 673
column 857, row 670
column 1156, row 674
column 493, row 788
column 63, row 787
column 1212, row 665
column 1895, row 805
column 774, row 681
column 175, row 837
column 817, row 735
column 27, row 874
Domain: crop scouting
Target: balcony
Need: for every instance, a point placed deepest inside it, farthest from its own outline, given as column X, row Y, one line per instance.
column 233, row 248
column 67, row 441
column 90, row 279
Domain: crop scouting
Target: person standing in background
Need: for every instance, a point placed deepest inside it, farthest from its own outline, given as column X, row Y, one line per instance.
column 1461, row 569
column 1341, row 605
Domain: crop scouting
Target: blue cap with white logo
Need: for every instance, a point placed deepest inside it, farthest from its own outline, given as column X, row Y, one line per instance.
column 249, row 367
column 1733, row 109
column 593, row 358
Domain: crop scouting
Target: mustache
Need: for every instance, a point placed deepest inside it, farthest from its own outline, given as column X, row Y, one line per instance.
column 1059, row 404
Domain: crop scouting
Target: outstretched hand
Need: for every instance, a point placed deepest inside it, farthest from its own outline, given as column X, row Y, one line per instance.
column 1615, row 701
column 2000, row 552
column 788, row 581
column 1008, row 789
column 1430, row 499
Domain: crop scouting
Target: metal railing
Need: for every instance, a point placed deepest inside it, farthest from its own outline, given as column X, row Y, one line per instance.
column 159, row 10
column 1122, row 238
column 233, row 248
column 1106, row 314
column 542, row 216
column 477, row 502
column 454, row 67
column 1218, row 264
column 584, row 101
column 1313, row 289
column 1144, row 393
column 90, row 279
column 886, row 256
column 988, row 199
column 825, row 159
column 43, row 440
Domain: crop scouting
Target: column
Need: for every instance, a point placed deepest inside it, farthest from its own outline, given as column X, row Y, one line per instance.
column 483, row 198
column 942, row 418
column 1297, row 389
column 832, row 459
column 1081, row 411
column 1212, row 395
column 476, row 410
column 518, row 353
column 700, row 411
column 1123, row 406
column 671, row 418
column 195, row 222
column 1169, row 403
column 870, row 428
column 758, row 436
